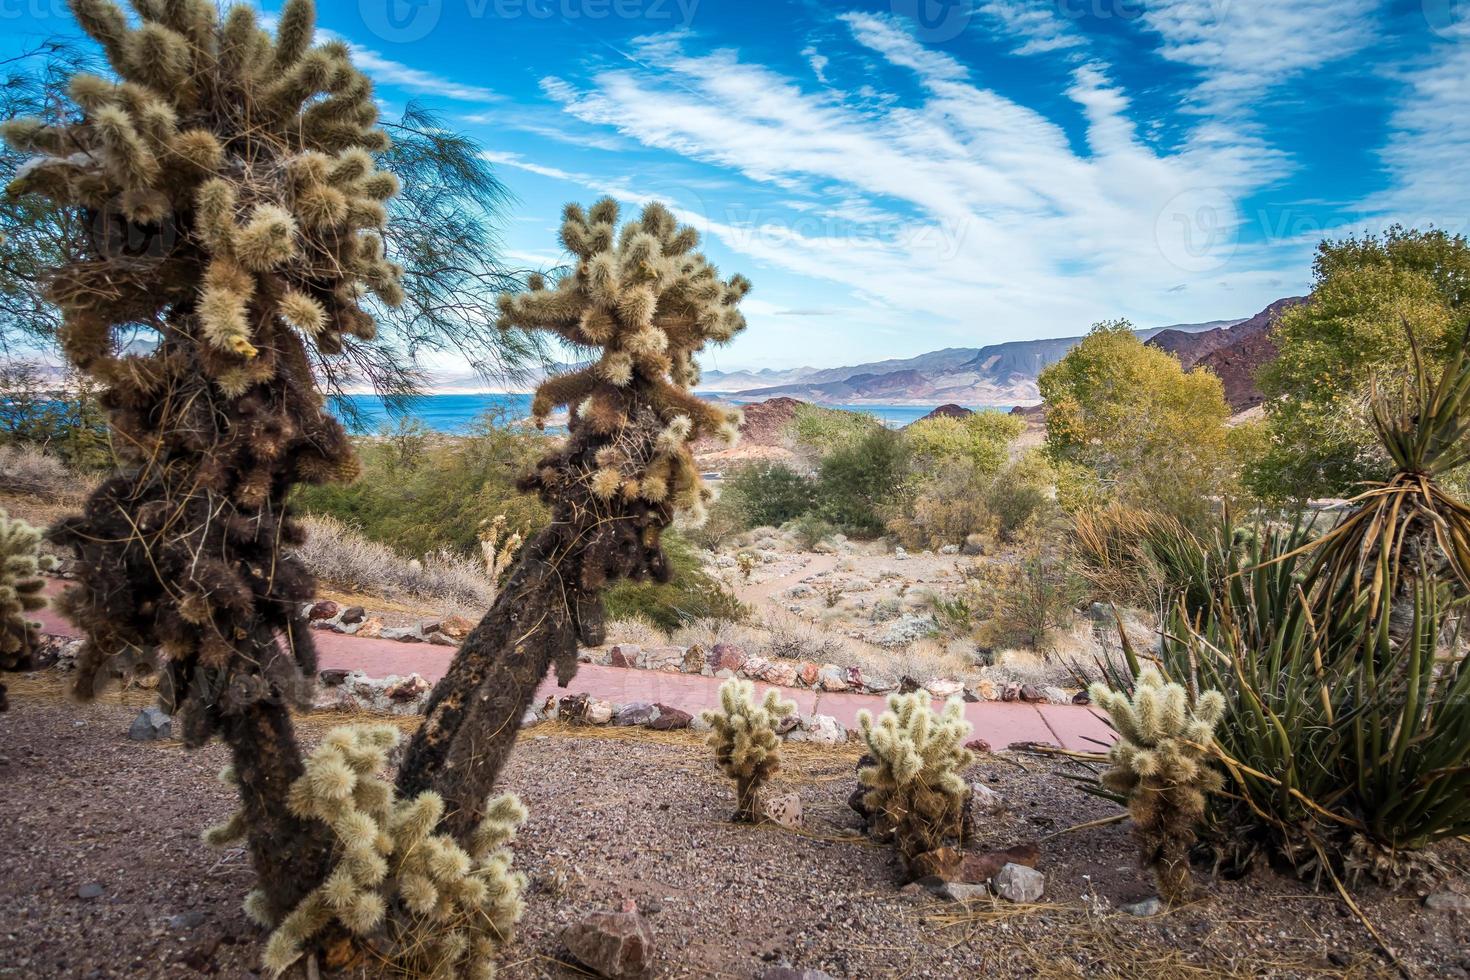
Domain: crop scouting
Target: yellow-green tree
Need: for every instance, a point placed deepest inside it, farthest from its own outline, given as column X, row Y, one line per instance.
column 1127, row 422
column 1319, row 434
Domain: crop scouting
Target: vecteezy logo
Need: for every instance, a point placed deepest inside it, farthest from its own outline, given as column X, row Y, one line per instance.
column 1448, row 18
column 400, row 21
column 1196, row 230
column 935, row 21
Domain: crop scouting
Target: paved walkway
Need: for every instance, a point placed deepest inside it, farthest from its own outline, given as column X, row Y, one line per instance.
column 999, row 723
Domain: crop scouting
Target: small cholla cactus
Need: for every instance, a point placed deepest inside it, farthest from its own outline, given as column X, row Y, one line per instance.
column 744, row 738
column 1160, row 762
column 498, row 548
column 21, row 566
column 228, row 204
column 915, row 790
column 446, row 908
column 745, row 561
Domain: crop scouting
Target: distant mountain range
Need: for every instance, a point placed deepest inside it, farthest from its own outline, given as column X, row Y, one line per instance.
column 998, row 374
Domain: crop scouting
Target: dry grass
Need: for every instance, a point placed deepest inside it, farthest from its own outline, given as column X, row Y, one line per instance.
column 636, row 631
column 344, row 559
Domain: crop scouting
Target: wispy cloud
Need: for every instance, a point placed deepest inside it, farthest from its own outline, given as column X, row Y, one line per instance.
column 1039, row 28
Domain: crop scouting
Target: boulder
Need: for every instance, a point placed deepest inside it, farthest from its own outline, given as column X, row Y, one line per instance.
column 974, row 545
column 855, row 679
column 878, row 683
column 950, row 549
column 821, row 729
column 944, row 689
column 727, row 656
column 1018, row 883
column 980, row 868
column 636, row 713
column 1082, row 697
column 670, row 718
column 986, row 802
column 456, row 627
column 779, row 672
column 1011, row 692
column 616, row 945
column 624, row 655
column 978, row 745
column 333, row 676
column 784, row 810
column 574, row 707
column 981, row 690
column 694, row 660
column 1445, row 900
column 1032, row 694
column 150, row 725
column 370, row 627
column 442, row 639
column 807, row 673
column 409, row 688
column 667, row 659
column 353, row 614
column 1055, row 695
column 326, row 609
column 599, row 712
column 402, row 634
column 831, row 677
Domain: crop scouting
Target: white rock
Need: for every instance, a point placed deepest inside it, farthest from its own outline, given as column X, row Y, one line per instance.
column 1018, row 883
column 784, row 810
column 599, row 712
column 985, row 801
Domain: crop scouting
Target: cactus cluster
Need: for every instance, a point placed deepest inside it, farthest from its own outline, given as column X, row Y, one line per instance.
column 915, row 792
column 1160, row 762
column 443, row 909
column 648, row 302
column 231, row 214
column 21, row 566
column 743, row 735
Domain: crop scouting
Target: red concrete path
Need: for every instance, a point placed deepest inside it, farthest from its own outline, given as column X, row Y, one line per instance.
column 998, row 722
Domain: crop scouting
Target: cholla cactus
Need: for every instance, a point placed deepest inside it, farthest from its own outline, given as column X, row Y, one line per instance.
column 1159, row 760
column 20, row 592
column 745, row 561
column 498, row 548
column 446, row 909
column 226, row 184
column 915, row 790
column 743, row 735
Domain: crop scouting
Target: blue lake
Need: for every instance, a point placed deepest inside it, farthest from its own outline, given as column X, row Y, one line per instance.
column 457, row 414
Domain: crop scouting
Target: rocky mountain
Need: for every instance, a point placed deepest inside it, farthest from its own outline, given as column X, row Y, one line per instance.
column 998, row 374
column 1234, row 353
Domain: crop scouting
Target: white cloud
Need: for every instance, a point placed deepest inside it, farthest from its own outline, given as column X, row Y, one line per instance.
column 1039, row 26
column 385, row 70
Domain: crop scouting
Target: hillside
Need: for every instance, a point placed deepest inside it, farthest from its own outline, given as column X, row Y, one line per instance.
column 1234, row 353
column 997, row 374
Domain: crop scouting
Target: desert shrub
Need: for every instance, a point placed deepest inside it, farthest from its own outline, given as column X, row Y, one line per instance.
column 743, row 735
column 1160, row 764
column 446, row 909
column 818, row 432
column 691, row 592
column 980, row 440
column 1021, row 494
column 791, row 638
column 27, row 470
column 769, row 494
column 337, row 554
column 809, row 529
column 21, row 565
column 942, row 508
column 858, row 483
column 915, row 791
column 1025, row 601
column 639, row 632
column 1128, row 556
column 423, row 496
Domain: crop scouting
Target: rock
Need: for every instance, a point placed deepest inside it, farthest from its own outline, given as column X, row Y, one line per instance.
column 855, row 679
column 370, row 627
column 1445, row 900
column 333, row 676
column 408, row 688
column 944, row 689
column 530, row 718
column 831, row 677
column 1018, row 883
column 185, row 921
column 599, row 712
column 456, row 627
column 442, row 639
column 981, row 690
column 430, row 627
column 727, row 656
column 855, row 801
column 907, row 685
column 961, row 891
column 326, row 609
column 353, row 614
column 899, row 554
column 1011, row 692
column 974, row 545
column 807, row 673
column 821, row 729
column 91, row 890
column 698, row 724
column 694, row 661
column 942, row 862
column 978, row 745
column 1144, row 907
column 986, row 802
column 670, row 718
column 792, row 973
column 754, row 667
column 980, row 868
column 1082, row 697
column 1100, row 612
column 150, row 725
column 616, row 945
column 574, row 707
column 878, row 683
column 667, row 659
column 402, row 634
column 1055, row 695
column 950, row 549
column 779, row 672
column 636, row 713
column 624, row 655
column 1032, row 694
column 785, row 724
column 784, row 810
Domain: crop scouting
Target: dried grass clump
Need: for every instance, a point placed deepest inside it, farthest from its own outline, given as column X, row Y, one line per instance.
column 337, row 554
column 27, row 470
column 435, row 908
column 743, row 735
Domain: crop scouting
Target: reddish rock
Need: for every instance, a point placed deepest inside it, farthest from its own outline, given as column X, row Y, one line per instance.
column 616, row 945
column 408, row 689
column 430, row 627
column 1011, row 692
column 624, row 655
column 808, row 673
column 326, row 609
column 978, row 745
column 353, row 614
column 670, row 718
column 370, row 628
column 573, row 707
column 980, row 868
column 855, row 679
column 727, row 656
column 1032, row 695
column 457, row 627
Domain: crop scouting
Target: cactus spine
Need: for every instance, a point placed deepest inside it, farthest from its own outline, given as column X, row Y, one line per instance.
column 1160, row 762
column 743, row 735
column 445, row 909
column 21, row 566
column 915, row 790
column 645, row 303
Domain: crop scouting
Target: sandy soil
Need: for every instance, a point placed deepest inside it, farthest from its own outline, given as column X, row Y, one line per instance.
column 636, row 816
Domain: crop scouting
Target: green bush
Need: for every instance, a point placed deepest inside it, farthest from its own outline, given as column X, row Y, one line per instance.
column 858, row 483
column 769, row 494
column 1027, row 601
column 690, row 594
column 818, row 432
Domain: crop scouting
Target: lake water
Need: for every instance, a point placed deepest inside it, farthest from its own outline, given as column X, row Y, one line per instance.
column 457, row 414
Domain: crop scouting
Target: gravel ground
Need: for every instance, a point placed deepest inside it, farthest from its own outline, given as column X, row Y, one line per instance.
column 630, row 815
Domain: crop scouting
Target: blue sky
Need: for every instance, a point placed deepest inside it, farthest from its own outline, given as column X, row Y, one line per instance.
column 902, row 176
